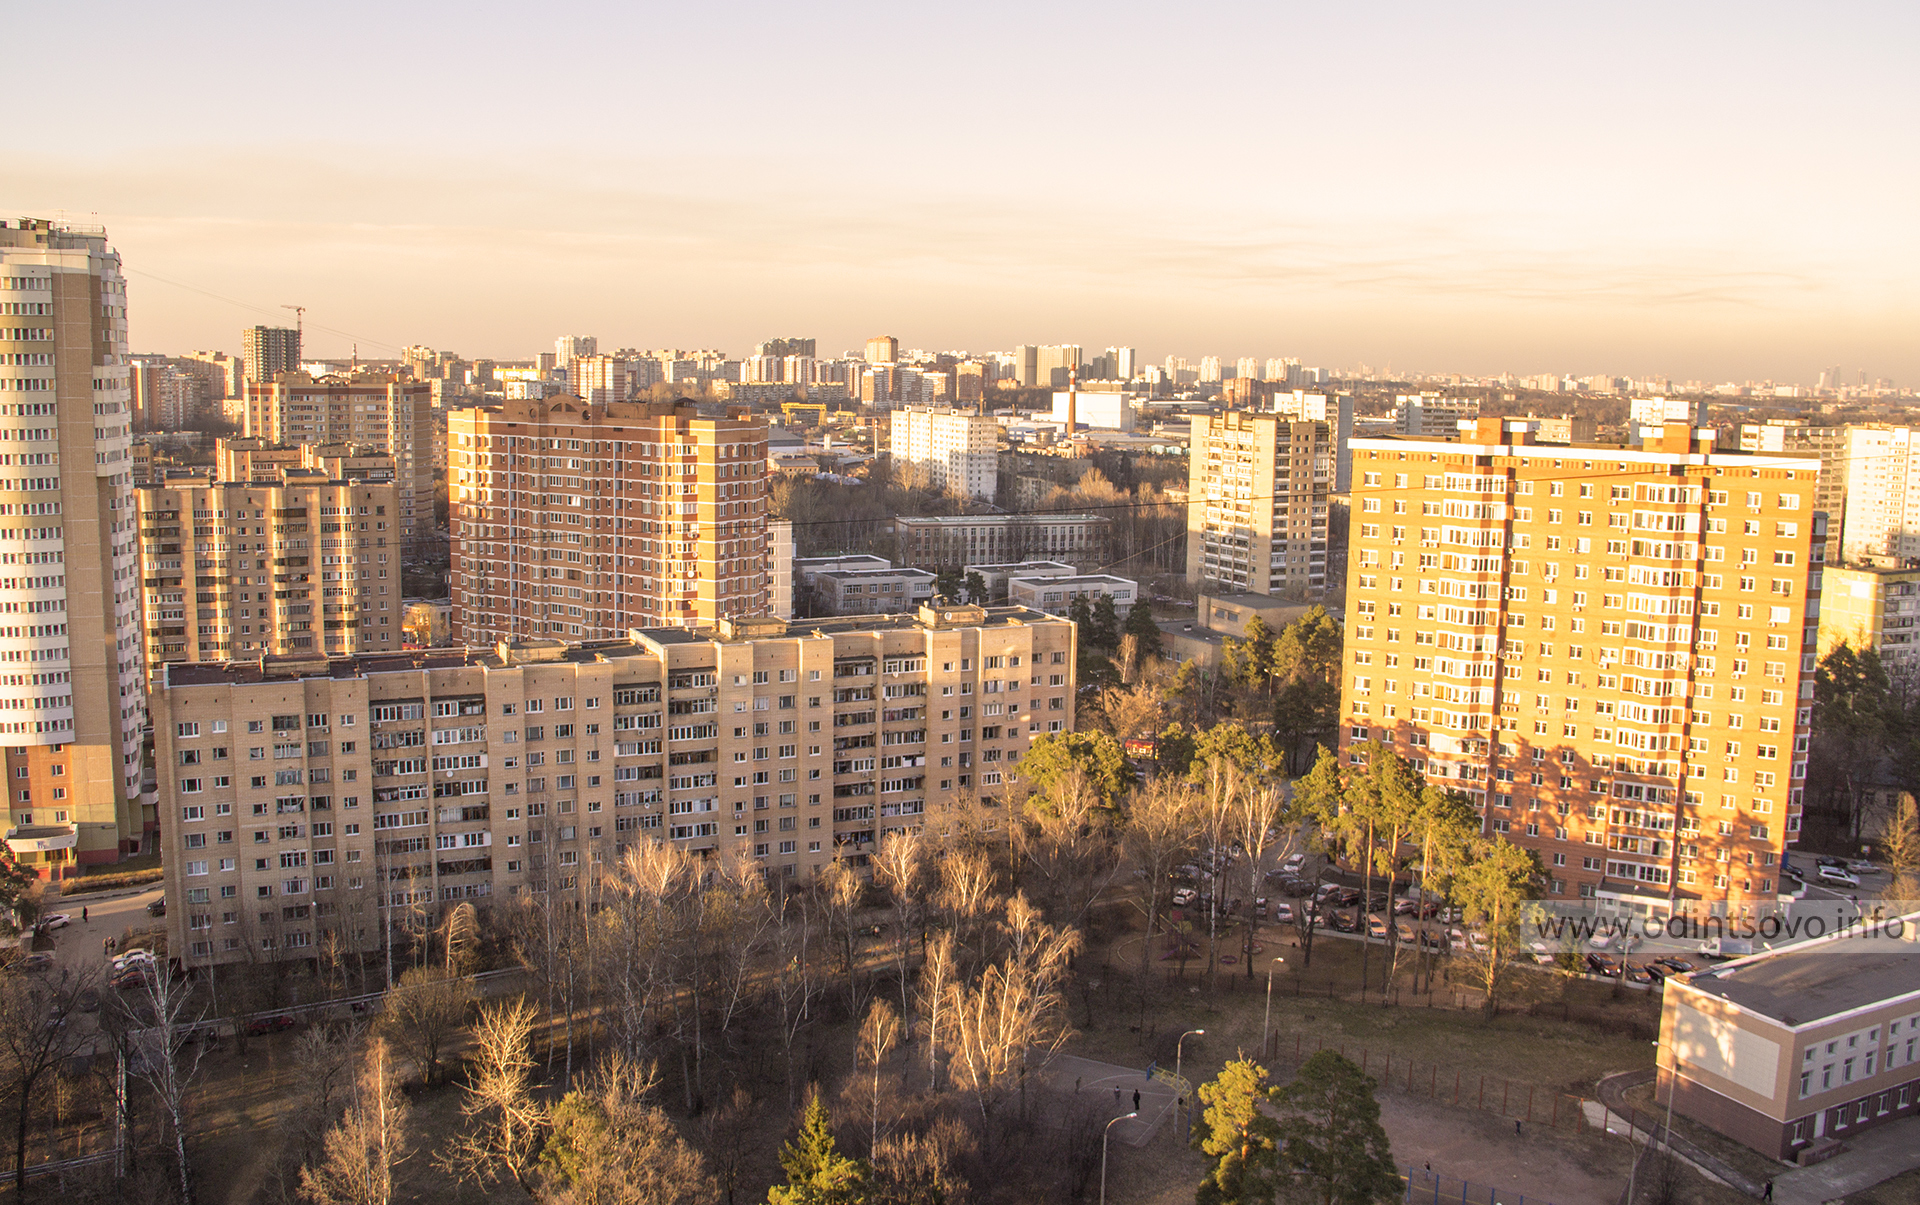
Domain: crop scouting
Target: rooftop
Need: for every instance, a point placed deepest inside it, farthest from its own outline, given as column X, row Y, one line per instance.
column 858, row 574
column 964, row 520
column 639, row 643
column 1809, row 982
column 1078, row 579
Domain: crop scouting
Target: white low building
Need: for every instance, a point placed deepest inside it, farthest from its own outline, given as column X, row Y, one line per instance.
column 1055, row 594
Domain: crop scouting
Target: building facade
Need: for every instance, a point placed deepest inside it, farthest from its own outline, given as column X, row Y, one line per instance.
column 258, row 460
column 1795, row 1050
column 307, row 564
column 1608, row 648
column 583, row 522
column 310, row 802
column 268, row 351
column 1799, row 437
column 387, row 413
column 1882, row 492
column 956, row 450
column 885, row 591
column 72, row 697
column 1055, row 595
column 1873, row 607
column 949, row 541
column 1258, row 496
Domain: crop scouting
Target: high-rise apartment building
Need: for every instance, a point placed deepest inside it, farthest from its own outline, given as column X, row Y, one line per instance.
column 1882, row 492
column 385, row 412
column 1123, row 362
column 1054, row 366
column 600, row 379
column 883, row 349
column 1333, row 409
column 778, row 348
column 1609, row 649
column 568, row 348
column 1874, row 607
column 1210, row 370
column 226, row 374
column 72, row 695
column 1247, row 368
column 245, row 460
column 1430, row 416
column 238, row 569
column 165, row 396
column 268, row 351
column 956, row 450
column 314, row 802
column 1257, row 502
column 1802, row 438
column 583, row 522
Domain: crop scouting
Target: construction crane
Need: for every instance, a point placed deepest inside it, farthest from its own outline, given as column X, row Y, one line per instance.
column 299, row 320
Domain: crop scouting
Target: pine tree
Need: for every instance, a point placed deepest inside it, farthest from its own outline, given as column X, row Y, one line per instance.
column 1243, row 1138
column 1333, row 1146
column 817, row 1173
column 1140, row 625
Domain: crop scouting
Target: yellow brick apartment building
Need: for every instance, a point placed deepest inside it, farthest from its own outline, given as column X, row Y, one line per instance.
column 1608, row 648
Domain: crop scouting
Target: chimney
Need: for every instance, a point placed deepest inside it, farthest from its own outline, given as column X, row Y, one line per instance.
column 1073, row 399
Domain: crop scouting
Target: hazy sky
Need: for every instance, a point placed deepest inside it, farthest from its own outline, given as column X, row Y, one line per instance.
column 1712, row 191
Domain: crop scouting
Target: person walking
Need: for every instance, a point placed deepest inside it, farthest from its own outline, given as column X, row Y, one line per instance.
column 83, row 917
column 1116, row 1096
column 1766, row 1194
column 1136, row 1100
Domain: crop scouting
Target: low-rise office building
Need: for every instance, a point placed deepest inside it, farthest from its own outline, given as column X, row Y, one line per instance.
column 997, row 576
column 869, row 591
column 311, row 802
column 949, row 541
column 1790, row 1050
column 1055, row 594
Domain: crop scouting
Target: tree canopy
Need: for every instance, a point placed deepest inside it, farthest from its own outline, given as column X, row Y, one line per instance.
column 1334, row 1146
column 1243, row 1139
column 1095, row 755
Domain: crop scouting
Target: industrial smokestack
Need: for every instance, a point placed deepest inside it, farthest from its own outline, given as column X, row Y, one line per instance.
column 1073, row 400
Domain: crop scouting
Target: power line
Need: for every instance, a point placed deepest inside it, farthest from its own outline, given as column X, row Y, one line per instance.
column 267, row 311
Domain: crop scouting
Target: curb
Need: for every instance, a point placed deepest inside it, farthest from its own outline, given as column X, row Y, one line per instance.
column 1612, row 1090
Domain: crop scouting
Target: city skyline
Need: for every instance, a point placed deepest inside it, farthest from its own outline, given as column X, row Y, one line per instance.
column 1644, row 193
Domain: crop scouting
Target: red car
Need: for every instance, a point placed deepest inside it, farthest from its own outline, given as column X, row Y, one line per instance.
column 261, row 1026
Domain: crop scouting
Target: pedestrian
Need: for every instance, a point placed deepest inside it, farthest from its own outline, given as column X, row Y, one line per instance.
column 83, row 917
column 1516, row 1127
column 1766, row 1194
column 1136, row 1100
column 1429, row 1167
column 1076, row 1085
column 1116, row 1096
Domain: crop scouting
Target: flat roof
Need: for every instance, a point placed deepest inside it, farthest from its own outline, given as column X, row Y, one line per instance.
column 280, row 668
column 963, row 520
column 1806, row 983
column 1005, row 565
column 1076, row 579
column 844, row 574
column 1620, row 453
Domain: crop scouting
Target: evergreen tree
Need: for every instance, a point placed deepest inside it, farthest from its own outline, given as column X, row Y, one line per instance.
column 1333, row 1145
column 1241, row 1136
column 1104, row 628
column 976, row 589
column 1081, row 614
column 947, row 583
column 817, row 1173
column 1141, row 627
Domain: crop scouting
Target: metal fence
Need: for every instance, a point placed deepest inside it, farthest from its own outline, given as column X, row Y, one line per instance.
column 1425, row 1186
column 1524, row 1103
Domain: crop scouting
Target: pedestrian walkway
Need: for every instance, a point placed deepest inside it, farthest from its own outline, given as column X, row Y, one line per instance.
column 1113, row 1086
column 1873, row 1156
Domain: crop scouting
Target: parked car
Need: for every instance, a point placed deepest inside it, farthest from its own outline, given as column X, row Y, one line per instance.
column 157, row 908
column 1349, row 896
column 1603, row 964
column 1457, row 939
column 1294, row 862
column 138, row 975
column 1635, row 973
column 58, row 920
column 1403, row 931
column 1678, row 966
column 1862, row 866
column 37, row 962
column 260, row 1026
column 1345, row 922
column 1541, row 954
column 1182, row 896
column 1655, row 970
column 1838, row 877
column 1282, row 911
column 1600, row 941
column 1429, row 940
column 1405, row 907
column 1376, row 927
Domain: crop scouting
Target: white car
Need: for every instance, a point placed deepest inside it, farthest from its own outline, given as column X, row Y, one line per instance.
column 1838, row 877
column 1294, row 862
column 1183, row 896
column 132, row 958
column 58, row 920
column 1282, row 911
column 1541, row 954
column 1600, row 941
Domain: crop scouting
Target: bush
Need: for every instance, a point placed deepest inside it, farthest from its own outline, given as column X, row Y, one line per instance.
column 108, row 882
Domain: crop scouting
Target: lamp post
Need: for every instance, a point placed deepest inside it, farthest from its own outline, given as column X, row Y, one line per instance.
column 1265, row 1020
column 1178, row 1051
column 1103, row 1155
column 1667, row 1134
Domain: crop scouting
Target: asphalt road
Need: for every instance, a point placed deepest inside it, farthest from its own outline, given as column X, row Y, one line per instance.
column 77, row 947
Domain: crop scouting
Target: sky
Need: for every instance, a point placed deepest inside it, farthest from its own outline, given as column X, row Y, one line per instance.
column 1701, row 191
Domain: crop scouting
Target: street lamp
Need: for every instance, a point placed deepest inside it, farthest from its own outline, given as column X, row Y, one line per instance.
column 1666, row 1136
column 1269, row 1015
column 1103, row 1155
column 1178, row 1050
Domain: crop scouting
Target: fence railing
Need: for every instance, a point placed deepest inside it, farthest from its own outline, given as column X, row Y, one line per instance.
column 1524, row 1103
column 1424, row 1186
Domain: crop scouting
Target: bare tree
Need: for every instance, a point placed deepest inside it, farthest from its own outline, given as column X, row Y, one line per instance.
column 1016, row 1007
column 169, row 1059
column 879, row 1034
column 938, row 974
column 795, row 980
column 506, row 1123
column 371, row 1139
column 34, row 1039
column 900, row 867
column 423, row 1012
column 1159, row 837
column 1264, row 821
column 1070, row 842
